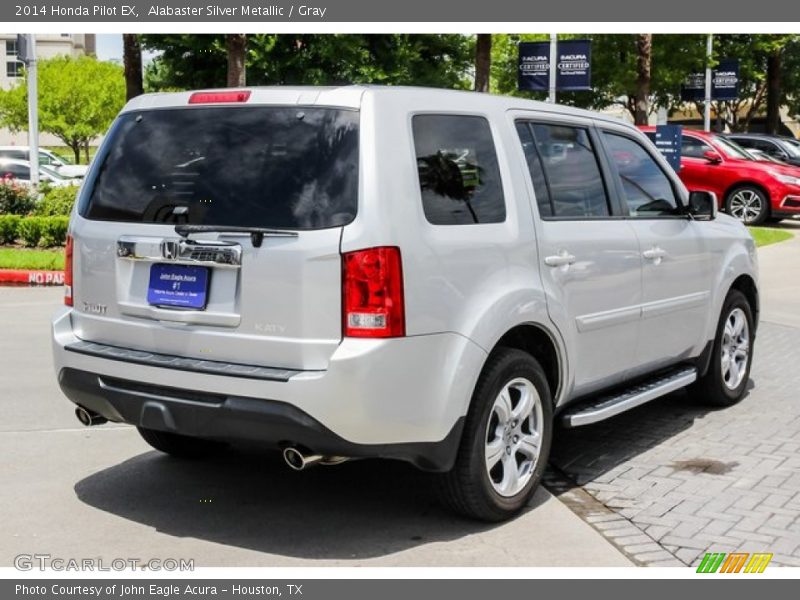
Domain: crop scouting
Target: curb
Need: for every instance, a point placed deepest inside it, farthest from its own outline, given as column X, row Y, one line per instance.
column 30, row 278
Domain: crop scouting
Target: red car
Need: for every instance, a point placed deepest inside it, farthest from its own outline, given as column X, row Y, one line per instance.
column 751, row 190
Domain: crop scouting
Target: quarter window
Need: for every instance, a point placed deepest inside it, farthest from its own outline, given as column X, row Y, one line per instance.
column 459, row 175
column 648, row 191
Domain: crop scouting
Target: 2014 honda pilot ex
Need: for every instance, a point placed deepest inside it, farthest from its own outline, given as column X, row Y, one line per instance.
column 432, row 276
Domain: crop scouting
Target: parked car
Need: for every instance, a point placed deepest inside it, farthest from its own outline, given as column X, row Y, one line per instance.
column 425, row 275
column 750, row 190
column 777, row 147
column 20, row 170
column 46, row 158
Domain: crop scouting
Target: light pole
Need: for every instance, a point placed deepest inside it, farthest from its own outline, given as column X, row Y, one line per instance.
column 707, row 104
column 26, row 49
column 551, row 91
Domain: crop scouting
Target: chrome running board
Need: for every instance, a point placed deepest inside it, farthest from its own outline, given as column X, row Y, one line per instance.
column 608, row 406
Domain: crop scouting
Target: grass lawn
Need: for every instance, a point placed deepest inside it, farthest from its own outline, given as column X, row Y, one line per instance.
column 32, row 258
column 764, row 236
column 67, row 154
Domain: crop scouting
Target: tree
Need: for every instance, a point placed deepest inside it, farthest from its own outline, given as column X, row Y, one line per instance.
column 483, row 61
column 132, row 60
column 78, row 99
column 190, row 61
column 644, row 57
column 236, row 46
column 615, row 75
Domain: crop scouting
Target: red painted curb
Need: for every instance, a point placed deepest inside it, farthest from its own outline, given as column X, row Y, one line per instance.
column 25, row 277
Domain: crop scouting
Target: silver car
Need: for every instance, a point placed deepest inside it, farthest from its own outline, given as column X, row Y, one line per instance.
column 433, row 276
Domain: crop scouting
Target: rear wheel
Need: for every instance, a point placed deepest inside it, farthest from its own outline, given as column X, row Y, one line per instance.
column 725, row 382
column 749, row 204
column 182, row 446
column 506, row 440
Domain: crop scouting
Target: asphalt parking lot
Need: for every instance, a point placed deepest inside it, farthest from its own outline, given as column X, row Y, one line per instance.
column 657, row 486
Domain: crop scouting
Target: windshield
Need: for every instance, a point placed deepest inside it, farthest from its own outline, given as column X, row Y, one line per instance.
column 732, row 149
column 280, row 167
column 792, row 148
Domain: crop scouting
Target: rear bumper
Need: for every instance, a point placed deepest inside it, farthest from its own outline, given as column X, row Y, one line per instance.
column 237, row 418
column 402, row 398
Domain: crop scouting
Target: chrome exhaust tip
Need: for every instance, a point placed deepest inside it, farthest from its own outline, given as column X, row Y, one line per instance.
column 298, row 461
column 89, row 418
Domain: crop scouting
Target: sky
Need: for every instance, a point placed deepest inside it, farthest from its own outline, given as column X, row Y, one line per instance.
column 109, row 47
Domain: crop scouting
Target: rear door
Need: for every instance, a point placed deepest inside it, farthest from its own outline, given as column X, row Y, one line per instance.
column 590, row 261
column 219, row 295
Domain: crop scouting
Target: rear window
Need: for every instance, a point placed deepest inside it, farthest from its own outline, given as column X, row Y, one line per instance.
column 292, row 168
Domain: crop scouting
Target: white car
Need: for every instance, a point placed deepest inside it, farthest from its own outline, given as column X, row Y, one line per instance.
column 426, row 275
column 47, row 159
column 20, row 170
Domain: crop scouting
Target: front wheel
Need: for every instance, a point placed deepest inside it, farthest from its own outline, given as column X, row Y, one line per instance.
column 725, row 382
column 506, row 440
column 748, row 204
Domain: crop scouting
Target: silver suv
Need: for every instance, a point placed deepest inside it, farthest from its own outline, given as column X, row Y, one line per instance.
column 431, row 276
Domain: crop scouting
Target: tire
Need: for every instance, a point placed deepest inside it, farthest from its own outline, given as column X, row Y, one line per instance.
column 720, row 387
column 748, row 204
column 471, row 488
column 182, row 446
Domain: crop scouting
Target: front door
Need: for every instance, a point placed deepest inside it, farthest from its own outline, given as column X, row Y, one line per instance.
column 676, row 261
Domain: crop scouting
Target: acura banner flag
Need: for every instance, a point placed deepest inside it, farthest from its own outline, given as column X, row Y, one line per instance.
column 724, row 83
column 574, row 66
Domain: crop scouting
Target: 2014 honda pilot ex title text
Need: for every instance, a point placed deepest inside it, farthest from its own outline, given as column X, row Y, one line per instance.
column 425, row 275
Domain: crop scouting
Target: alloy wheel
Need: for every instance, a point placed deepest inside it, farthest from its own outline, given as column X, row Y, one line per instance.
column 513, row 437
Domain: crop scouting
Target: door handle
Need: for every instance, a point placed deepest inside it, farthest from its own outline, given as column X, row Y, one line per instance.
column 655, row 254
column 561, row 259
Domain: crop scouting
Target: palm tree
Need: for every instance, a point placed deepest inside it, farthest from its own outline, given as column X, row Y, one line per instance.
column 483, row 61
column 132, row 59
column 236, row 45
column 644, row 59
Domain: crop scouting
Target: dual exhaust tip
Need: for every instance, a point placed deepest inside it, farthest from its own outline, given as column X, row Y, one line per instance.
column 296, row 458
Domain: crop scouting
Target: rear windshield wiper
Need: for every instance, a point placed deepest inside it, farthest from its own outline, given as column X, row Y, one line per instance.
column 256, row 233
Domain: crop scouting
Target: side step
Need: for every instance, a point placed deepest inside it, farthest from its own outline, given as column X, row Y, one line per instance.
column 608, row 406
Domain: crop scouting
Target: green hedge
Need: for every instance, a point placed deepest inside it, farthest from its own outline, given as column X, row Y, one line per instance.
column 33, row 231
column 56, row 202
column 9, row 224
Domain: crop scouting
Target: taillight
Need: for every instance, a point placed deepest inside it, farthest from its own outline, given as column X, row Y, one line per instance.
column 219, row 97
column 68, row 251
column 372, row 293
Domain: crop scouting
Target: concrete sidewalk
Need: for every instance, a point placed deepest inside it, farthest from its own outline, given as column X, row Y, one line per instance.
column 100, row 492
column 779, row 279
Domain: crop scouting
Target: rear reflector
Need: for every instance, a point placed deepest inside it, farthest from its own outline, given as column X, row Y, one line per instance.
column 69, row 250
column 219, row 97
column 372, row 293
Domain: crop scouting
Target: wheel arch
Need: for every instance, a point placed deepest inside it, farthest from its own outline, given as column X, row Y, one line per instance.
column 747, row 286
column 540, row 343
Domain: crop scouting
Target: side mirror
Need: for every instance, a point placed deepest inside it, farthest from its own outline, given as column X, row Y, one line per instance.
column 712, row 157
column 702, row 206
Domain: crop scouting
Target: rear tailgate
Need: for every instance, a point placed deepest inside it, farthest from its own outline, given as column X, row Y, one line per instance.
column 218, row 295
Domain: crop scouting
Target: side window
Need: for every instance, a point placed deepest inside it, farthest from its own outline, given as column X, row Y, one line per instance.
column 648, row 190
column 535, row 168
column 693, row 147
column 571, row 171
column 459, row 175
